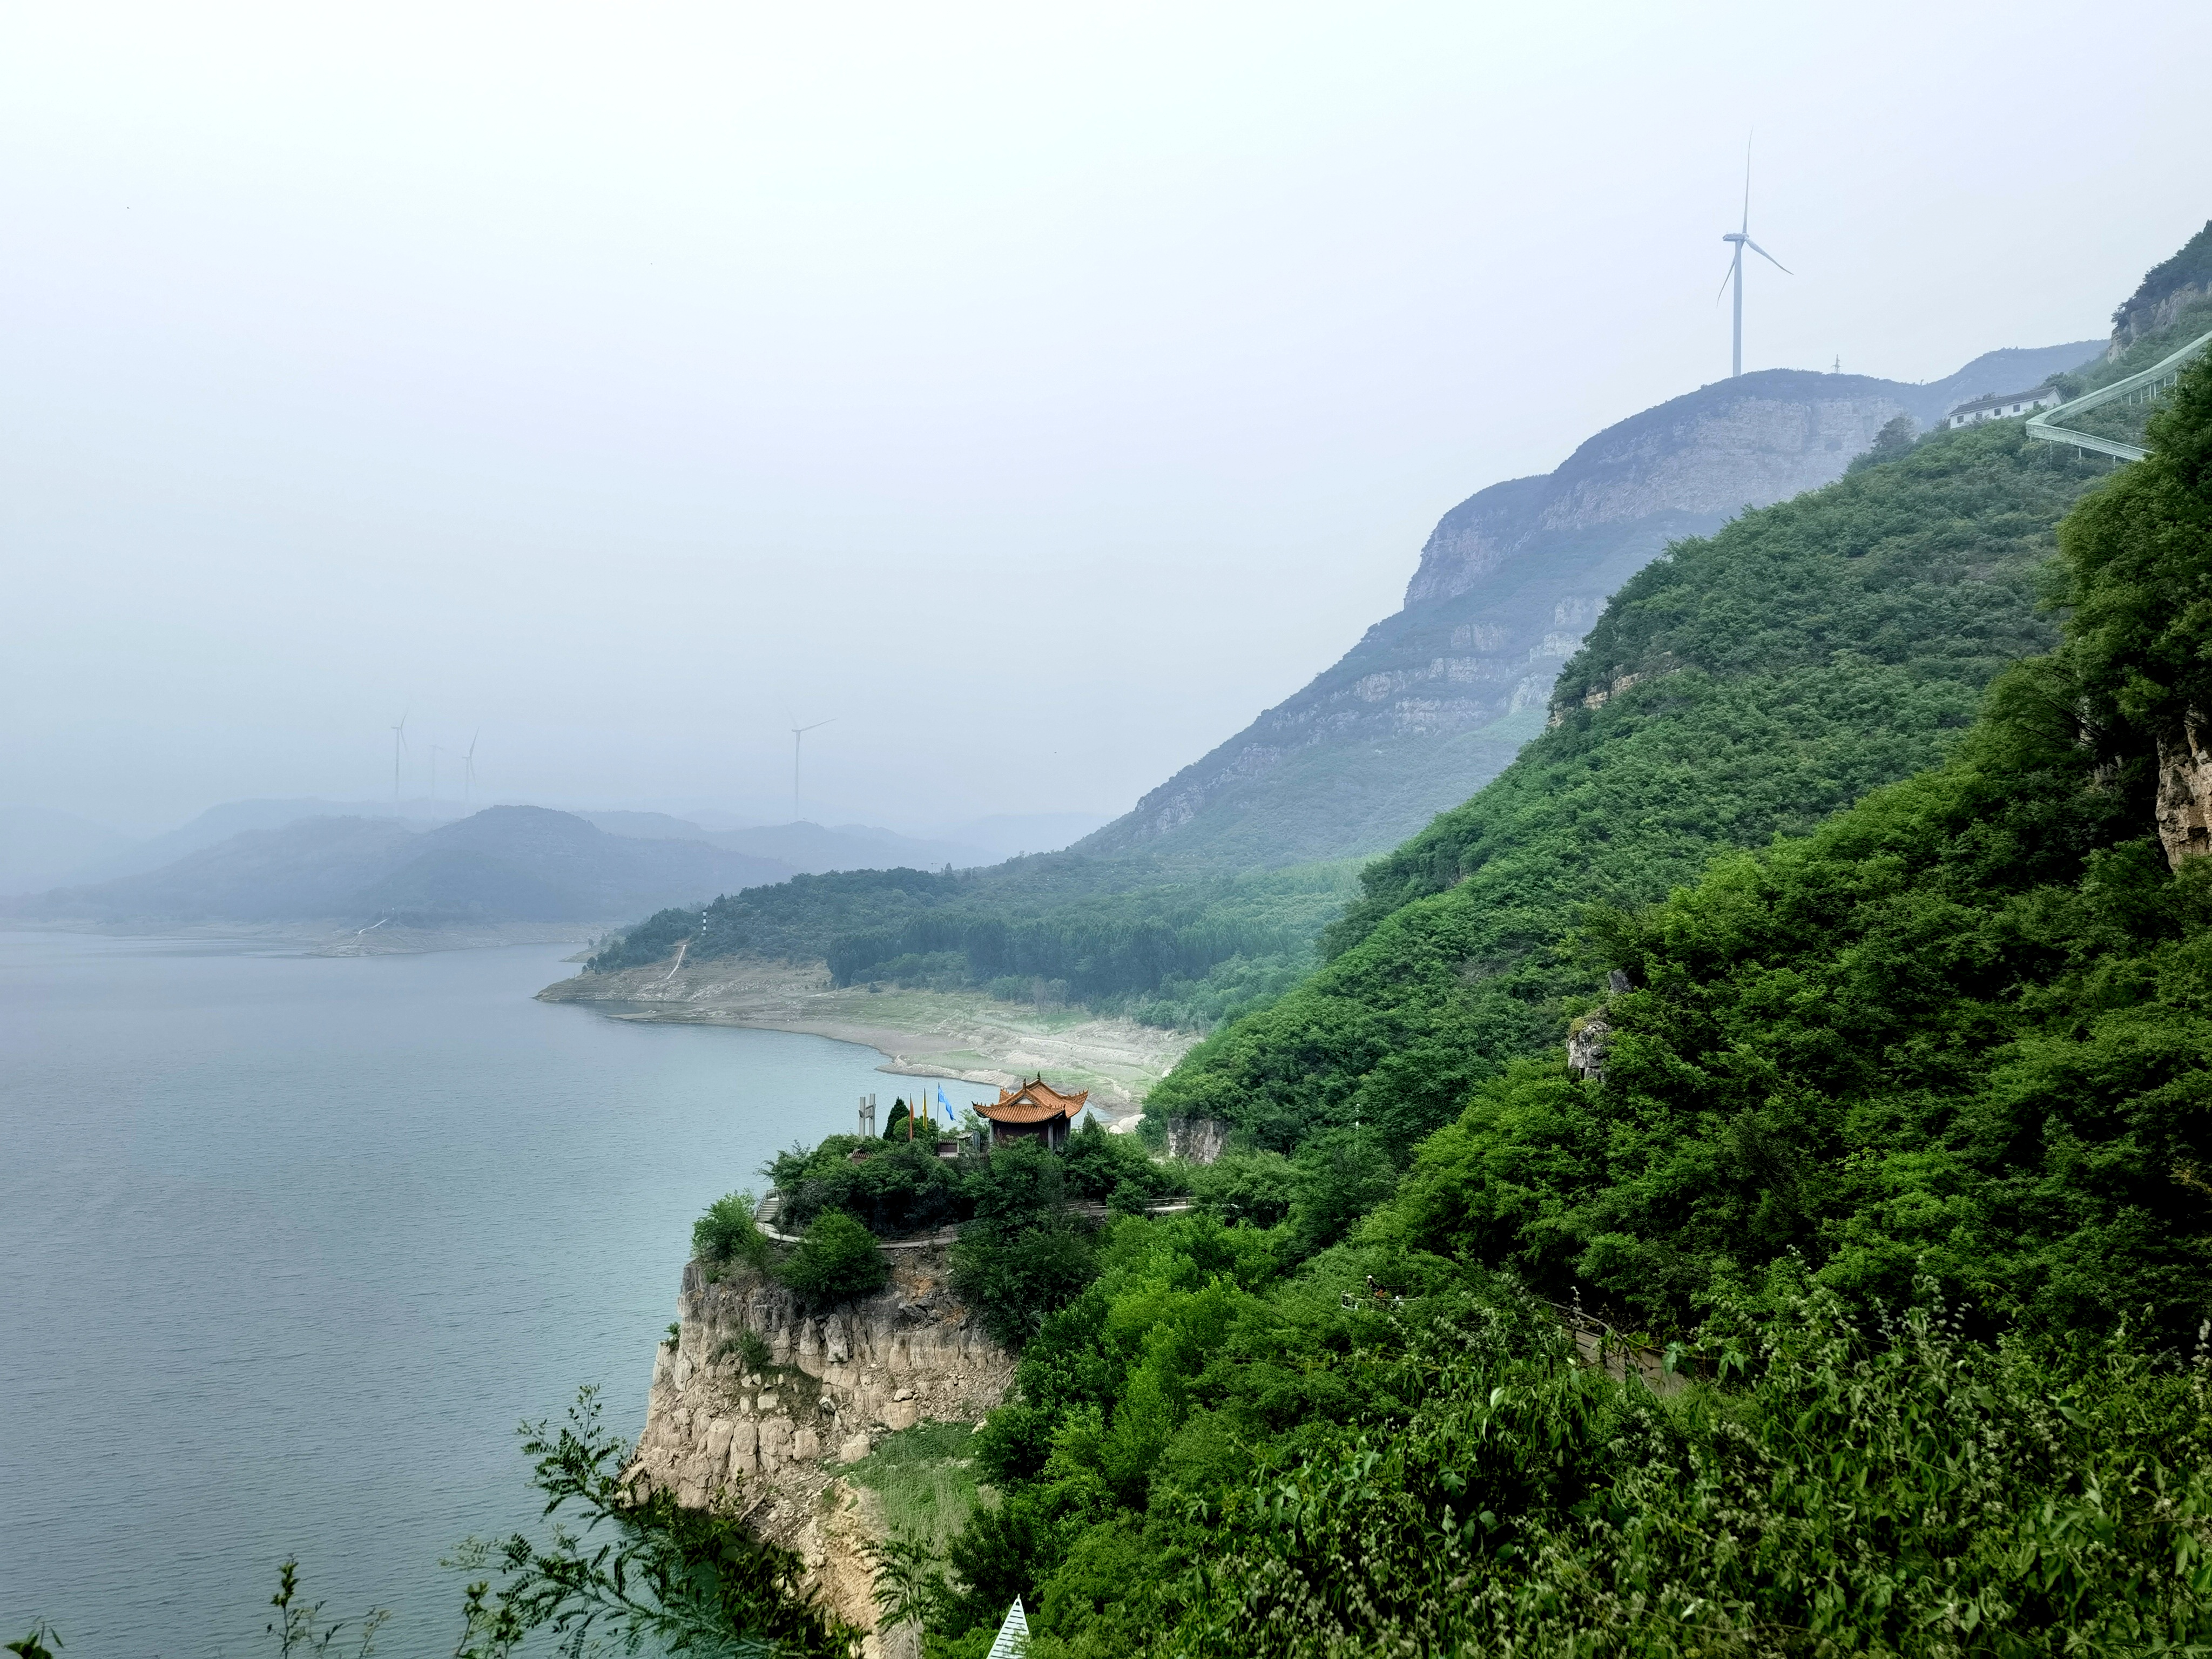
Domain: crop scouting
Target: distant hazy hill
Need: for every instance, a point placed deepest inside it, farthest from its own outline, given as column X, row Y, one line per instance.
column 504, row 864
column 1435, row 701
column 39, row 847
column 126, row 857
column 802, row 846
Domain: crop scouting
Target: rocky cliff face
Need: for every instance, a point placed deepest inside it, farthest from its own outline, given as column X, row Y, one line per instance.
column 2167, row 289
column 1745, row 442
column 1434, row 700
column 757, row 1403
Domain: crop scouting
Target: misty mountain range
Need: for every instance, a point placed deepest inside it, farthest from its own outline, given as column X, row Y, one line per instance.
column 298, row 860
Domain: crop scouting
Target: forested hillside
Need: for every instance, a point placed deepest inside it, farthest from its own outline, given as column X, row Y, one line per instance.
column 1746, row 685
column 1111, row 933
column 1897, row 1139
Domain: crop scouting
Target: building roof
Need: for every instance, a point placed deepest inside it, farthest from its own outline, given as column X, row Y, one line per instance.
column 1992, row 399
column 1035, row 1101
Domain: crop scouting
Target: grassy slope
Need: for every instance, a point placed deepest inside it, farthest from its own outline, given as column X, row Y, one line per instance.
column 1803, row 656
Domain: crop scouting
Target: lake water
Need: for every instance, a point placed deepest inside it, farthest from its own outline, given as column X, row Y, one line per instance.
column 289, row 1245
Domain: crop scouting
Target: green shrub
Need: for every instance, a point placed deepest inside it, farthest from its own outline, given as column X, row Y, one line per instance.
column 751, row 1349
column 728, row 1232
column 896, row 1187
column 1095, row 1164
column 835, row 1262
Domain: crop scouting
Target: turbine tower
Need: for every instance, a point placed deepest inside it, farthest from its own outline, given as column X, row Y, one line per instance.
column 1741, row 239
column 798, row 734
column 398, row 742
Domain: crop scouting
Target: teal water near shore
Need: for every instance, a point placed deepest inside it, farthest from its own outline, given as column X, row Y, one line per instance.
column 291, row 1244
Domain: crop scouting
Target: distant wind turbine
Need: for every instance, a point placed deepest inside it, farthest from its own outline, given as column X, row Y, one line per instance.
column 798, row 734
column 1743, row 240
column 469, row 770
column 398, row 742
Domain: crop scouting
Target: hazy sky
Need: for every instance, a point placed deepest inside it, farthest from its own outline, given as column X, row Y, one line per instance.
column 1040, row 391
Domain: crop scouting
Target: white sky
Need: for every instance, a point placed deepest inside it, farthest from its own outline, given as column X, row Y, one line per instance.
column 1041, row 391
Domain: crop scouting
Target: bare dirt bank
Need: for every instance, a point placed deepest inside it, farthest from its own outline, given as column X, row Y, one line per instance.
column 970, row 1036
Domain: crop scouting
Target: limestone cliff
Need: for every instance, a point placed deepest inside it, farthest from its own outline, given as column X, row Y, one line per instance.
column 757, row 1403
column 1434, row 700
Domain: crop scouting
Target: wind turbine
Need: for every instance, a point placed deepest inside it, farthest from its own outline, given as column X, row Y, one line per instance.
column 1743, row 240
column 469, row 770
column 398, row 742
column 798, row 734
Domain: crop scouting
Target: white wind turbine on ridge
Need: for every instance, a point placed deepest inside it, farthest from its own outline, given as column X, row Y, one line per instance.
column 1741, row 239
column 398, row 744
column 797, row 733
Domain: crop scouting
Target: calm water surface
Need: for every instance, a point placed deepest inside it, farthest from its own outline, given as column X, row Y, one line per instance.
column 289, row 1245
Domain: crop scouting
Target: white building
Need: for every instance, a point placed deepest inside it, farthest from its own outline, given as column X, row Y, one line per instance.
column 1999, row 406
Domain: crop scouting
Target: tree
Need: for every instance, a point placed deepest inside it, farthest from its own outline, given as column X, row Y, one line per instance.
column 1021, row 1258
column 728, row 1231
column 1896, row 437
column 643, row 1571
column 835, row 1262
column 1341, row 1174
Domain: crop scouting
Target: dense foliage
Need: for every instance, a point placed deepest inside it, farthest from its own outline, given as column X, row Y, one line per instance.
column 834, row 1260
column 1901, row 1132
column 1746, row 685
column 1108, row 932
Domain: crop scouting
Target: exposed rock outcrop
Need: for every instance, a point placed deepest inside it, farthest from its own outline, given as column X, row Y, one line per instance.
column 2184, row 793
column 1200, row 1139
column 1590, row 1040
column 758, row 1403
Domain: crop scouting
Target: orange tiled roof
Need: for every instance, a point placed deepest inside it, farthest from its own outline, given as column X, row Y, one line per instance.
column 1036, row 1102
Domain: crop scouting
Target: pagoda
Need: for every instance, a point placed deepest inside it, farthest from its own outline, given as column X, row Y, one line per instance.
column 1033, row 1111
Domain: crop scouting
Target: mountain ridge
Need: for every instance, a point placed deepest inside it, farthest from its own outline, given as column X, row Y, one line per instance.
column 1434, row 700
column 502, row 864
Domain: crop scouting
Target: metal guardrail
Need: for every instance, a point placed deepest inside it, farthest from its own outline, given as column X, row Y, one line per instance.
column 2159, row 375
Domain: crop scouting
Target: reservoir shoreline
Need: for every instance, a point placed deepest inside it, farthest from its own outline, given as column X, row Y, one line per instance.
column 961, row 1035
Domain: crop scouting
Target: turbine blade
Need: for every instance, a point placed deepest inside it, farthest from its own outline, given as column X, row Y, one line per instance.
column 1725, row 280
column 1769, row 258
column 1747, row 185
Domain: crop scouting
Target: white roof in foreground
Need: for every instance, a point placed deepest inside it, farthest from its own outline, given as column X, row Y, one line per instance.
column 1013, row 1634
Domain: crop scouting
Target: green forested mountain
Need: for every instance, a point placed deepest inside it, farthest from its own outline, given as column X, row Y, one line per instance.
column 1898, row 1137
column 1747, row 685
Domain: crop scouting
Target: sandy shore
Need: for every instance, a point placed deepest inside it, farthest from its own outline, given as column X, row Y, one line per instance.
column 975, row 1038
